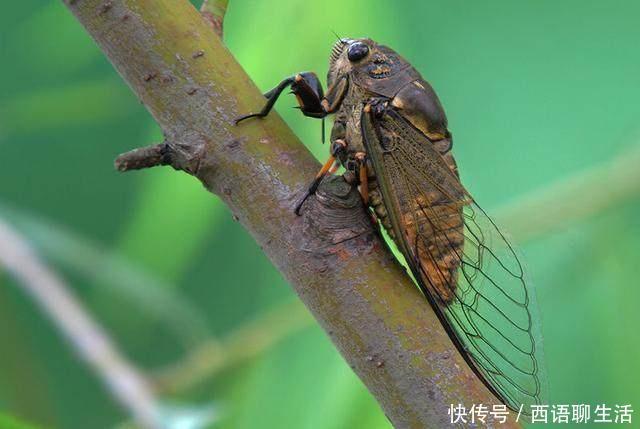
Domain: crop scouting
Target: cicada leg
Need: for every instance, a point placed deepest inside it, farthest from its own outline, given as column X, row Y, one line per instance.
column 363, row 176
column 363, row 179
column 312, row 101
column 332, row 164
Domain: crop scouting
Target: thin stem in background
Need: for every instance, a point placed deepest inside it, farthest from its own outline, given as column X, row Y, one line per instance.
column 243, row 344
column 577, row 197
column 86, row 336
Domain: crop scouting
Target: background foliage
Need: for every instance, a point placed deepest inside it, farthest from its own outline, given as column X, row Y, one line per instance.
column 537, row 92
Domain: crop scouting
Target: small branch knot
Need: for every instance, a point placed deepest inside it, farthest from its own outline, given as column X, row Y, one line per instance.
column 335, row 216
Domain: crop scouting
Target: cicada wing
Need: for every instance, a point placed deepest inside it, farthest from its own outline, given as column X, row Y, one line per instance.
column 464, row 265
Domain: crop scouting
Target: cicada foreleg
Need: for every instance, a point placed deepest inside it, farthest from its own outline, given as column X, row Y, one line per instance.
column 308, row 90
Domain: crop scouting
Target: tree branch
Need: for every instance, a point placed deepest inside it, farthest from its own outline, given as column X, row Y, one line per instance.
column 332, row 257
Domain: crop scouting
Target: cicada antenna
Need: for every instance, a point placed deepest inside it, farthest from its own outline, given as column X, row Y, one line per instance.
column 336, row 34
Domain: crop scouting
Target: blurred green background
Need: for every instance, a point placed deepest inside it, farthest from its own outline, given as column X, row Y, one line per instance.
column 542, row 98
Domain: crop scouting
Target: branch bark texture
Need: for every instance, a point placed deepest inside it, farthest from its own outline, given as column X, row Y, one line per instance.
column 332, row 256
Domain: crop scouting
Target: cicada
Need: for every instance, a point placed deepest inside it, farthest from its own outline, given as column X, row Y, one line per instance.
column 391, row 135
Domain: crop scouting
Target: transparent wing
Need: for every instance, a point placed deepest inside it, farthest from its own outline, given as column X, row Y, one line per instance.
column 461, row 261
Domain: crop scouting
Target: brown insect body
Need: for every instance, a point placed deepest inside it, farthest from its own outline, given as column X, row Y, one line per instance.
column 390, row 134
column 385, row 74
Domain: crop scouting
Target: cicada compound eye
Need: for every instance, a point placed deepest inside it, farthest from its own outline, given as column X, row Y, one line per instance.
column 357, row 51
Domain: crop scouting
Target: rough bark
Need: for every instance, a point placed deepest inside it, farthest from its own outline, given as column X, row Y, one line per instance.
column 332, row 256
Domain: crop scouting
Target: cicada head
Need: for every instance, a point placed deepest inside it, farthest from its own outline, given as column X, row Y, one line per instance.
column 365, row 57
